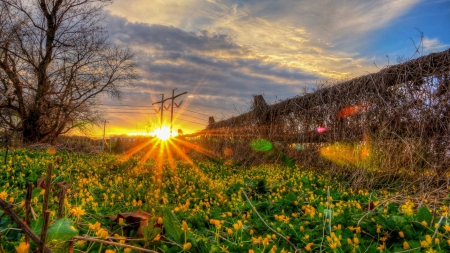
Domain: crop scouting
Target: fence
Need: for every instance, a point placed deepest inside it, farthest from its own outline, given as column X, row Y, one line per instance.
column 394, row 123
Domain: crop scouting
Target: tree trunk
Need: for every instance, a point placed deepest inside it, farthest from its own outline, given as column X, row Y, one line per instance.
column 31, row 129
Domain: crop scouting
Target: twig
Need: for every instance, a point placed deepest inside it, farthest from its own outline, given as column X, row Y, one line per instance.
column 323, row 232
column 437, row 227
column 113, row 243
column 267, row 225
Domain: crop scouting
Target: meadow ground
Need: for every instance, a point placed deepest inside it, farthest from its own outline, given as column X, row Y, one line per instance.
column 211, row 207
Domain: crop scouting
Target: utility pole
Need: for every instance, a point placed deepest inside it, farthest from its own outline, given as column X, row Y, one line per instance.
column 162, row 107
column 104, row 131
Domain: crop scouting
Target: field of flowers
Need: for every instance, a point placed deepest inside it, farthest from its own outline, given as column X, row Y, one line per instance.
column 212, row 207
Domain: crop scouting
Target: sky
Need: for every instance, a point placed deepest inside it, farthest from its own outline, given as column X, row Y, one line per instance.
column 222, row 52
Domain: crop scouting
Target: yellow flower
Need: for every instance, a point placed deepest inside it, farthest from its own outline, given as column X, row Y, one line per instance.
column 3, row 195
column 308, row 246
column 431, row 251
column 77, row 211
column 159, row 220
column 121, row 222
column 447, row 228
column 187, row 246
column 127, row 250
column 102, row 233
column 405, row 245
column 184, row 226
column 110, row 251
column 428, row 239
column 333, row 245
column 378, row 229
column 424, row 244
column 23, row 247
column 229, row 231
column 355, row 240
column 424, row 223
column 265, row 242
column 401, row 234
column 95, row 226
column 349, row 241
column 251, row 251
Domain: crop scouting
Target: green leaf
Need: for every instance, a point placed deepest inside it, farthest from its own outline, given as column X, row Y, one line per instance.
column 58, row 235
column 36, row 226
column 172, row 226
column 423, row 214
column 261, row 145
column 60, row 231
column 398, row 220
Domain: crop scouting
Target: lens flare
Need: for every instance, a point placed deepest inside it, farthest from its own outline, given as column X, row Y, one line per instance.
column 347, row 154
column 351, row 110
column 321, row 129
column 261, row 145
column 227, row 152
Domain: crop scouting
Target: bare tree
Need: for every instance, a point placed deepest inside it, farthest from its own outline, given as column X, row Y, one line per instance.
column 56, row 56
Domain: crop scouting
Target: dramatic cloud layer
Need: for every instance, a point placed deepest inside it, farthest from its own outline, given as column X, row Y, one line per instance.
column 224, row 51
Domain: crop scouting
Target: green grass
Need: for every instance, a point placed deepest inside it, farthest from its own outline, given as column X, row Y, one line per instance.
column 204, row 209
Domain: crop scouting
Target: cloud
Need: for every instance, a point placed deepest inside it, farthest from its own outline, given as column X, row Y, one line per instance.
column 433, row 45
column 219, row 75
column 224, row 51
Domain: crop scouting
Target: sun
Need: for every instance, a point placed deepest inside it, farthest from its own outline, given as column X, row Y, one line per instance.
column 162, row 133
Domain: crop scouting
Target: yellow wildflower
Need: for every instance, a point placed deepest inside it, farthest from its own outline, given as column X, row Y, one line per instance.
column 23, row 247
column 378, row 229
column 308, row 246
column 349, row 241
column 184, row 226
column 447, row 227
column 102, row 233
column 3, row 195
column 401, row 234
column 431, row 251
column 95, row 226
column 405, row 245
column 77, row 211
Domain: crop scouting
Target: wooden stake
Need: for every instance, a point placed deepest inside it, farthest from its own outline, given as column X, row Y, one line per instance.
column 28, row 208
column 44, row 231
column 62, row 195
column 45, row 210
